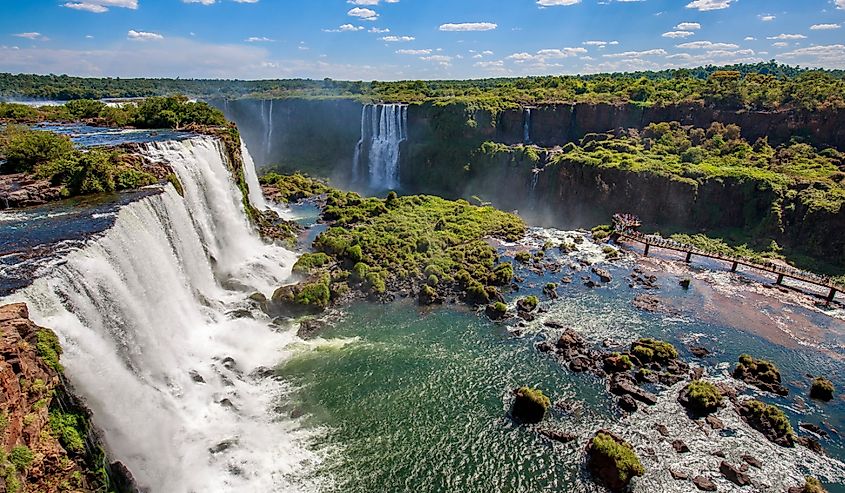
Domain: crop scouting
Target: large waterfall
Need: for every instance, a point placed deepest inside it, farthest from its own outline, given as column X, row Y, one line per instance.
column 384, row 127
column 162, row 345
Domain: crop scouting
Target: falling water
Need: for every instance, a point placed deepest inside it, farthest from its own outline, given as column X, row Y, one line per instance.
column 384, row 127
column 256, row 197
column 151, row 317
column 268, row 124
column 526, row 126
column 535, row 177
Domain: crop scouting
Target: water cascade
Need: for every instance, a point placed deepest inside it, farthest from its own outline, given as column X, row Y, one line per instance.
column 384, row 127
column 160, row 341
column 268, row 124
column 256, row 197
column 526, row 126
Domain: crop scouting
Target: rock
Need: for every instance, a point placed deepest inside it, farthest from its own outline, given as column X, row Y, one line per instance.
column 680, row 447
column 704, row 484
column 700, row 397
column 752, row 461
column 308, row 329
column 715, row 422
column 760, row 373
column 529, row 405
column 580, row 364
column 768, row 420
column 196, row 377
column 733, row 474
column 622, row 384
column 616, row 363
column 685, row 283
column 810, row 443
column 223, row 446
column 545, row 346
column 812, row 428
column 612, row 461
column 678, row 475
column 718, row 453
column 627, row 403
column 700, row 352
column 553, row 324
column 429, row 296
column 662, row 429
column 496, row 311
column 557, row 435
column 821, row 389
column 602, row 274
column 570, row 341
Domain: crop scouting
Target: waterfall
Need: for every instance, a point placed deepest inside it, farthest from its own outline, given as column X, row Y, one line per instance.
column 256, row 196
column 526, row 126
column 384, row 127
column 151, row 318
column 535, row 177
column 267, row 116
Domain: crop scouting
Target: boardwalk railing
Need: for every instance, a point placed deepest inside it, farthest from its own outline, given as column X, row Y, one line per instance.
column 781, row 271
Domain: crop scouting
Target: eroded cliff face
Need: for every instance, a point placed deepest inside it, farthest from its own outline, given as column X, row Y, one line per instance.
column 46, row 448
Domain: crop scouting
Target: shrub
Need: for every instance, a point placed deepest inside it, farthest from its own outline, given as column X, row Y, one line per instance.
column 315, row 294
column 606, row 454
column 813, row 485
column 502, row 274
column 432, row 280
column 66, row 428
column 375, row 283
column 354, row 253
column 308, row 262
column 26, row 149
column 21, row 457
column 702, row 397
column 523, row 257
column 360, row 271
column 764, row 417
column 476, row 293
column 530, row 405
column 821, row 389
column 650, row 350
column 177, row 184
column 49, row 349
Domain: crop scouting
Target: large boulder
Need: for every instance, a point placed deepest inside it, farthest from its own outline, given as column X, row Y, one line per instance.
column 612, row 461
column 529, row 405
column 768, row 420
column 821, row 389
column 700, row 397
column 760, row 373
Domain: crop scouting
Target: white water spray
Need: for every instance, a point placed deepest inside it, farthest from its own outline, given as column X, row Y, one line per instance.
column 384, row 127
column 526, row 126
column 152, row 342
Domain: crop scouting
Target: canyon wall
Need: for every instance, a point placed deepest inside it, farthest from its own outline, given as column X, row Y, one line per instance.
column 441, row 157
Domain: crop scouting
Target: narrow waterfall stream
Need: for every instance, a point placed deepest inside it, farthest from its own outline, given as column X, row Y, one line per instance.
column 150, row 316
column 384, row 127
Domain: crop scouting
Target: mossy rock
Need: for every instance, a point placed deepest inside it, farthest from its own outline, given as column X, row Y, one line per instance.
column 612, row 461
column 309, row 262
column 496, row 311
column 813, row 485
column 822, row 389
column 476, row 294
column 653, row 351
column 761, row 373
column 428, row 295
column 523, row 257
column 530, row 405
column 700, row 397
column 527, row 304
column 311, row 296
column 617, row 363
column 768, row 420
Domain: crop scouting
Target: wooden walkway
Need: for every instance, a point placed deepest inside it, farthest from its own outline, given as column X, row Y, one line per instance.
column 780, row 271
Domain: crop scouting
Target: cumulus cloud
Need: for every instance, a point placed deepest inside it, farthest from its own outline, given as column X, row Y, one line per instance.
column 707, row 5
column 345, row 28
column 258, row 39
column 826, row 56
column 707, row 45
column 362, row 13
column 688, row 26
column 600, row 44
column 637, row 54
column 788, row 36
column 824, row 27
column 678, row 34
column 30, row 35
column 100, row 6
column 469, row 26
column 767, row 17
column 544, row 56
column 143, row 35
column 413, row 52
column 397, row 39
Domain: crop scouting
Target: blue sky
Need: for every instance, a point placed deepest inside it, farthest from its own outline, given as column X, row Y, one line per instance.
column 410, row 39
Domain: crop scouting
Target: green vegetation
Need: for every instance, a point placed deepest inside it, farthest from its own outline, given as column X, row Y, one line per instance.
column 651, row 350
column 48, row 348
column 528, row 303
column 291, row 188
column 497, row 310
column 620, row 455
column 821, row 389
column 68, row 429
column 309, row 262
column 813, row 485
column 702, row 397
column 769, row 420
column 763, row 370
column 21, row 457
column 25, row 150
column 753, row 86
column 530, row 405
column 174, row 112
column 423, row 239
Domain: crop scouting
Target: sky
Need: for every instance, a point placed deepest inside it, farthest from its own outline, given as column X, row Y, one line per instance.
column 410, row 39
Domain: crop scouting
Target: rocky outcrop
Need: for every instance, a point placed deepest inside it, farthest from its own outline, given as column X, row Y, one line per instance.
column 612, row 461
column 760, row 373
column 48, row 447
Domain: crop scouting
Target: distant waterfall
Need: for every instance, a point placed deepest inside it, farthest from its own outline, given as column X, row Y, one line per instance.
column 267, row 115
column 526, row 126
column 384, row 127
column 256, row 196
column 150, row 316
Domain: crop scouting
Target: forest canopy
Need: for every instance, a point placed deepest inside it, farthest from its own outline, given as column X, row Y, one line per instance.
column 761, row 86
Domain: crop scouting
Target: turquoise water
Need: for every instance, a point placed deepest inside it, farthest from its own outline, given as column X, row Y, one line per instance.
column 416, row 399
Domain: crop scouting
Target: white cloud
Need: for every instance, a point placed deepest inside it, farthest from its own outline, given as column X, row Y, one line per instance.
column 397, row 39
column 413, row 52
column 678, row 34
column 490, row 64
column 143, row 35
column 204, row 2
column 441, row 59
column 258, row 39
column 365, row 14
column 825, row 27
column 370, row 2
column 637, row 54
column 828, row 56
column 750, row 38
column 788, row 36
column 378, row 30
column 345, row 28
column 707, row 5
column 767, row 17
column 840, row 4
column 469, row 26
column 780, row 44
column 100, row 6
column 707, row 45
column 30, row 35
column 600, row 44
column 556, row 3
column 688, row 26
